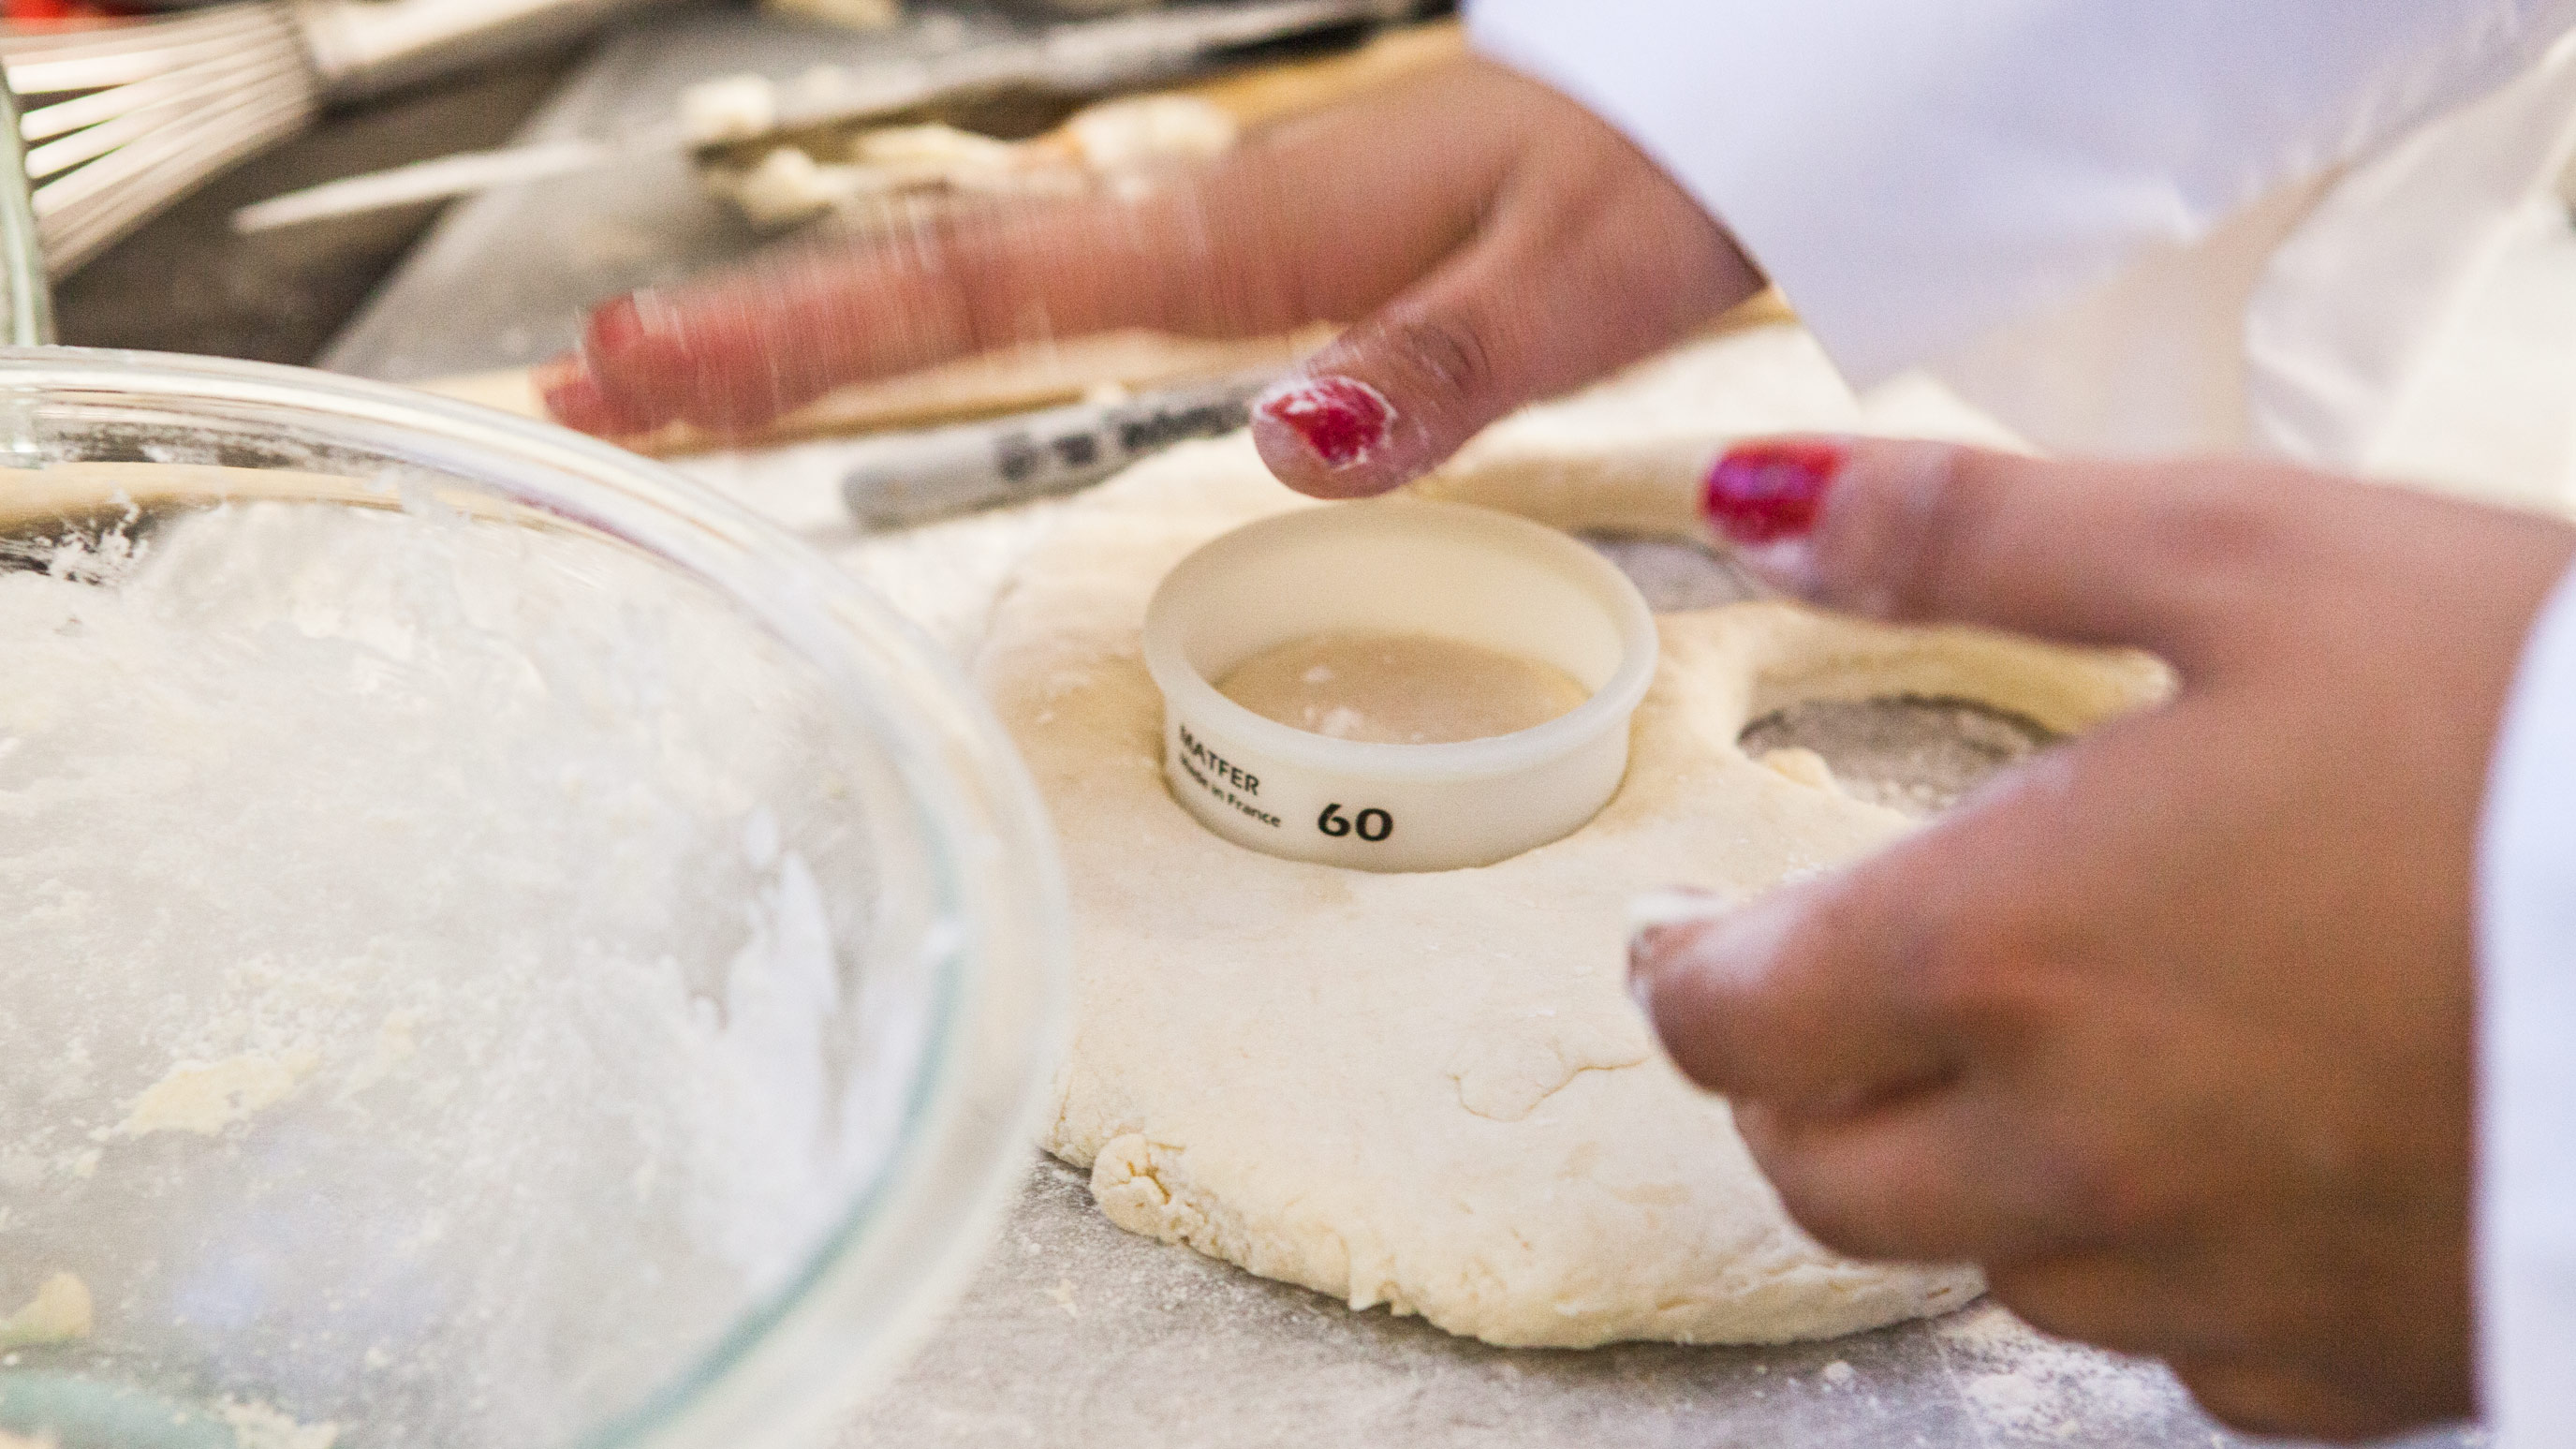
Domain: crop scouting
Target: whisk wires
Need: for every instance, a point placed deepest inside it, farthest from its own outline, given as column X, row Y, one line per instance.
column 123, row 119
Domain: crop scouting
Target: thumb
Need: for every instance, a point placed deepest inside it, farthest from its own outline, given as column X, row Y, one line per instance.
column 2169, row 556
column 1564, row 284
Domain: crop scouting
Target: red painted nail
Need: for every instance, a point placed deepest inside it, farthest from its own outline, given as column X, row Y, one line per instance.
column 1341, row 419
column 616, row 325
column 574, row 398
column 1766, row 492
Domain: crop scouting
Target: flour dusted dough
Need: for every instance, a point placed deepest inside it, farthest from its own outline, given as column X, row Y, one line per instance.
column 1431, row 1091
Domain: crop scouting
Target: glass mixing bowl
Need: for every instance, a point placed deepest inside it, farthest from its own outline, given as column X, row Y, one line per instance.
column 502, row 948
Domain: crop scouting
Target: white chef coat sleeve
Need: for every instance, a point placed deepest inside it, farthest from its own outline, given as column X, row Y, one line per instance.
column 2070, row 210
column 2526, row 1209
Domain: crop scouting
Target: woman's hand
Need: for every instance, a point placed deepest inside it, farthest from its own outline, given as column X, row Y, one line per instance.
column 2169, row 1029
column 1492, row 241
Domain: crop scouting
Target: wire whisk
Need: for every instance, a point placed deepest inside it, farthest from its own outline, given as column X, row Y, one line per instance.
column 119, row 122
column 120, row 119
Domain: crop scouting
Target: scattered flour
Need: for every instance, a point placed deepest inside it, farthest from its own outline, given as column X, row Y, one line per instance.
column 2023, row 1387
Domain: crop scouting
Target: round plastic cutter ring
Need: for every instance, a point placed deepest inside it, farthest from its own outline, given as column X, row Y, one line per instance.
column 1400, row 565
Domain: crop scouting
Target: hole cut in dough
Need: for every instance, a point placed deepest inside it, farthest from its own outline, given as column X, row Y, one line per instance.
column 1913, row 754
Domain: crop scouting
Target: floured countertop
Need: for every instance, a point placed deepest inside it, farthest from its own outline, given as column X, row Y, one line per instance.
column 1077, row 1334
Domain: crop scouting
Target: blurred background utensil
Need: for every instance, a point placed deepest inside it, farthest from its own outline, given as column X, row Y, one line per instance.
column 122, row 117
column 1051, row 70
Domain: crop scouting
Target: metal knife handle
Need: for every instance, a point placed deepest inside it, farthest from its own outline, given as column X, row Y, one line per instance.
column 365, row 47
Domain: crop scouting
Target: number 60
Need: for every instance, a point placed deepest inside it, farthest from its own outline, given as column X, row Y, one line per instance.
column 1372, row 824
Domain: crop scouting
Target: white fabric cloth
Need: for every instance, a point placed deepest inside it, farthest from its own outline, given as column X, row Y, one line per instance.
column 2527, row 1050
column 2206, row 223
column 2119, row 228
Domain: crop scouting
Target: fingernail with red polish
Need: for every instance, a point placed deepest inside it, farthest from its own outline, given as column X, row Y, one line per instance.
column 614, row 324
column 622, row 324
column 566, row 377
column 574, row 398
column 1341, row 420
column 1764, row 498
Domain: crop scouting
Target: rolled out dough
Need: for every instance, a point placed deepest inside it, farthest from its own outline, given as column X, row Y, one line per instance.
column 1432, row 1091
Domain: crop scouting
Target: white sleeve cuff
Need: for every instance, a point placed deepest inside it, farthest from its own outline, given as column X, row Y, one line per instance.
column 2526, row 1210
column 1915, row 175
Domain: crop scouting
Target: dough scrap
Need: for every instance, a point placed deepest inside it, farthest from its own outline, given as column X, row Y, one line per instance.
column 1431, row 1091
column 263, row 1426
column 61, row 1312
column 207, row 1097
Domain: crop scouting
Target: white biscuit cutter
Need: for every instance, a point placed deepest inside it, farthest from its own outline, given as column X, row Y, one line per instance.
column 1402, row 565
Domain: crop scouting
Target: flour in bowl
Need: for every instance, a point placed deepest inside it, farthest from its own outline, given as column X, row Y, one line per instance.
column 440, row 998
